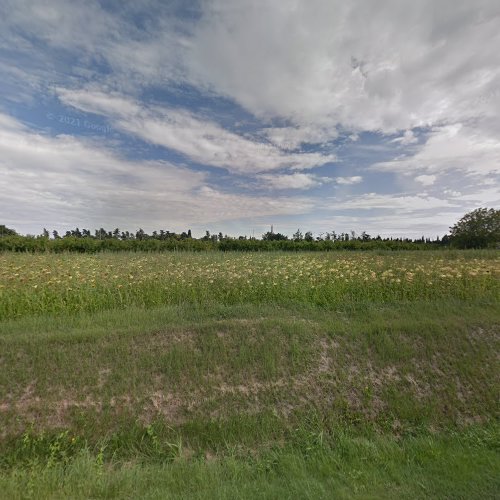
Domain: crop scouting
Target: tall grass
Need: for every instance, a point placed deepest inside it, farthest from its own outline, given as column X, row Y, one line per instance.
column 65, row 284
column 346, row 467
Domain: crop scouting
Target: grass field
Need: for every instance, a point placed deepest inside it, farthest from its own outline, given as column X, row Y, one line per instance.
column 346, row 375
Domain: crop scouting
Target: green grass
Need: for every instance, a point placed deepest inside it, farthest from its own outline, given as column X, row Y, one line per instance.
column 448, row 466
column 68, row 283
column 236, row 393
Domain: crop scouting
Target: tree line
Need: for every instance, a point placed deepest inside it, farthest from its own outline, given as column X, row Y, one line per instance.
column 477, row 229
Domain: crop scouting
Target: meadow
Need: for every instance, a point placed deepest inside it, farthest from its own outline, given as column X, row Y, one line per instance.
column 60, row 284
column 243, row 375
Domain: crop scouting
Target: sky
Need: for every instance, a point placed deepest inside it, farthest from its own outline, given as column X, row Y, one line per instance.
column 235, row 115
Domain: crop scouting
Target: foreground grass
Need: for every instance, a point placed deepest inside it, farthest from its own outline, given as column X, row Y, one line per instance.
column 356, row 397
column 443, row 466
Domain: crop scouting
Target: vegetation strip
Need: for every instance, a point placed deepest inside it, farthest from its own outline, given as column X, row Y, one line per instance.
column 355, row 388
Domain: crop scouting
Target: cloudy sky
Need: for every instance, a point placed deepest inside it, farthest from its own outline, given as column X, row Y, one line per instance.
column 232, row 115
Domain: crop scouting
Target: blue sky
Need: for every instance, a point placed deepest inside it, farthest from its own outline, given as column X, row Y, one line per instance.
column 234, row 115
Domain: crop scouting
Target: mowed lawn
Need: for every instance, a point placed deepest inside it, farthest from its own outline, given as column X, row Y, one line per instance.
column 269, row 375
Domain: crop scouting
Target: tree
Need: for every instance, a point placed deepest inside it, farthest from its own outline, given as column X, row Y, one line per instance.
column 5, row 231
column 270, row 236
column 477, row 229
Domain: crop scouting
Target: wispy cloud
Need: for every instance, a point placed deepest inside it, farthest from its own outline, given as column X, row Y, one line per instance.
column 68, row 181
column 201, row 140
column 426, row 180
column 355, row 179
column 292, row 181
column 407, row 138
column 457, row 147
column 401, row 203
column 291, row 138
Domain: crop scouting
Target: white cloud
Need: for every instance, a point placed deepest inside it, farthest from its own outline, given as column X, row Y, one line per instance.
column 410, row 64
column 401, row 203
column 355, row 179
column 291, row 138
column 388, row 66
column 303, row 181
column 426, row 180
column 9, row 124
column 407, row 138
column 88, row 32
column 451, row 193
column 457, row 147
column 64, row 182
column 483, row 197
column 111, row 103
column 292, row 181
column 200, row 139
column 59, row 24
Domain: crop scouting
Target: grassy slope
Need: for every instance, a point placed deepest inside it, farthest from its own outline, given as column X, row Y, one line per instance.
column 360, row 400
column 458, row 466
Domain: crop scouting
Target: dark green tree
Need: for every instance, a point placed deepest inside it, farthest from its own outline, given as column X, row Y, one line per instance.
column 270, row 236
column 477, row 229
column 5, row 231
column 100, row 234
